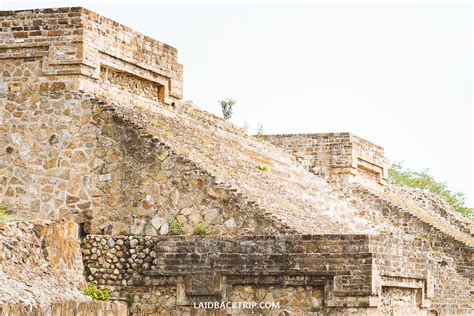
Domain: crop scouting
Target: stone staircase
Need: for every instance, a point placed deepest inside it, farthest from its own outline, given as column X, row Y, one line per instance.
column 406, row 206
column 257, row 171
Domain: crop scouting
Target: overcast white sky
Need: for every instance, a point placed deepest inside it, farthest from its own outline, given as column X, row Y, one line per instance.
column 398, row 73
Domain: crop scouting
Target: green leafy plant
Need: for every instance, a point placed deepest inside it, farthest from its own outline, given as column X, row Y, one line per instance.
column 6, row 215
column 402, row 176
column 176, row 228
column 263, row 168
column 130, row 300
column 202, row 229
column 260, row 137
column 97, row 294
column 226, row 106
column 97, row 110
column 3, row 211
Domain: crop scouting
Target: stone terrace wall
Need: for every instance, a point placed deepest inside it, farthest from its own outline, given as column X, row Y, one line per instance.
column 41, row 271
column 143, row 186
column 61, row 158
column 130, row 55
column 435, row 206
column 303, row 273
column 73, row 43
column 287, row 192
column 327, row 274
column 46, row 140
column 436, row 279
column 29, row 243
column 71, row 308
column 421, row 251
column 74, row 160
column 40, row 263
column 336, row 156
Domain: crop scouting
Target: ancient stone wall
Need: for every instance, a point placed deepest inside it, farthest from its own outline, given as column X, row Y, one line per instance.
column 74, row 43
column 327, row 274
column 60, row 157
column 435, row 205
column 41, row 271
column 144, row 186
column 435, row 279
column 426, row 248
column 131, row 57
column 336, row 156
column 73, row 308
column 40, row 264
column 33, row 244
column 46, row 140
column 301, row 273
column 78, row 161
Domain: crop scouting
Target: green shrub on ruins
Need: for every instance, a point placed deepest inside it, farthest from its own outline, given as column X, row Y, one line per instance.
column 176, row 228
column 263, row 168
column 402, row 176
column 202, row 229
column 97, row 294
column 260, row 137
column 226, row 106
column 3, row 211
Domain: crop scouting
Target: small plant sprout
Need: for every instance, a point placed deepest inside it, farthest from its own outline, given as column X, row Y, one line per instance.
column 263, row 168
column 176, row 228
column 226, row 106
column 97, row 294
column 202, row 229
column 260, row 137
column 3, row 211
column 96, row 110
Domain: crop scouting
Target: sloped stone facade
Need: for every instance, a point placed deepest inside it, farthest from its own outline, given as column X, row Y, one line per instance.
column 172, row 206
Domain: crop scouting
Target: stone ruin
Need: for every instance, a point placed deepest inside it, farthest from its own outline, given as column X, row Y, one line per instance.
column 113, row 180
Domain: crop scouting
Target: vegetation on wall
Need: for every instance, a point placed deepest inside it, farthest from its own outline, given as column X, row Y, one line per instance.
column 6, row 215
column 97, row 294
column 260, row 136
column 263, row 168
column 202, row 229
column 402, row 176
column 176, row 228
column 3, row 211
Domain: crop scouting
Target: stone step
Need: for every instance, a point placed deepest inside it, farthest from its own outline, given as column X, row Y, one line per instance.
column 403, row 205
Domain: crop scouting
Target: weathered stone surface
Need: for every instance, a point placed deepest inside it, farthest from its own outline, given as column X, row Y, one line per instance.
column 67, row 308
column 336, row 156
column 164, row 229
column 40, row 265
column 325, row 274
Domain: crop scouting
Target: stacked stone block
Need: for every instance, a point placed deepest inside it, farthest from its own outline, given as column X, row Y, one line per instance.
column 338, row 157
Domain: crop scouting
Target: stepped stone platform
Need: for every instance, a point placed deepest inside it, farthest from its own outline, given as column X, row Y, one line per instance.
column 97, row 148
